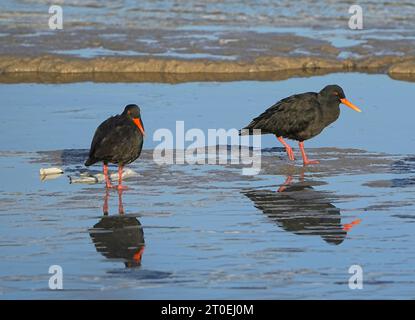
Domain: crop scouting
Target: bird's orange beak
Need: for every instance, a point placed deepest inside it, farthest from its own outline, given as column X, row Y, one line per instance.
column 139, row 124
column 350, row 105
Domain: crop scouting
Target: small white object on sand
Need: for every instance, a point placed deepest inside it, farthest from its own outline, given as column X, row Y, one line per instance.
column 50, row 176
column 86, row 177
column 50, row 173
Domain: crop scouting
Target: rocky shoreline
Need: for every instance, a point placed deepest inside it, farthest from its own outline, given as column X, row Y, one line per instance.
column 53, row 68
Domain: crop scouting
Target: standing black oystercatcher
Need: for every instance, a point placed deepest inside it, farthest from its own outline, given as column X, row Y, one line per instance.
column 301, row 117
column 118, row 140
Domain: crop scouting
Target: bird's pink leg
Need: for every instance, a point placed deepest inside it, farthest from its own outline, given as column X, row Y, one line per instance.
column 107, row 179
column 305, row 158
column 120, row 186
column 288, row 149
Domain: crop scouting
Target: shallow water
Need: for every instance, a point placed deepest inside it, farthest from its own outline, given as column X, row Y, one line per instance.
column 208, row 231
column 59, row 108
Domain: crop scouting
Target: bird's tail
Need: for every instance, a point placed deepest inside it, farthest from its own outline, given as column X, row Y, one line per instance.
column 90, row 161
column 252, row 129
column 246, row 131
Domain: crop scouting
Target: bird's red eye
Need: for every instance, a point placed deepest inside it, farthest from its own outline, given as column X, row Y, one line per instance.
column 335, row 93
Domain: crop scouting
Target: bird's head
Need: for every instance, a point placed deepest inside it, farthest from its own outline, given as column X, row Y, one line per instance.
column 133, row 112
column 335, row 93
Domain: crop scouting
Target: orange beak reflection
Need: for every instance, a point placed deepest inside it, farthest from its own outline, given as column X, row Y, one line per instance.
column 350, row 105
column 139, row 124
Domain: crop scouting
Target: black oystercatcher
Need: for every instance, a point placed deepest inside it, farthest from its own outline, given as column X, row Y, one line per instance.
column 301, row 117
column 118, row 140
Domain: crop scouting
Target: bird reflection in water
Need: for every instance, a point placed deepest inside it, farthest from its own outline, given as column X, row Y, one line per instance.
column 119, row 237
column 300, row 209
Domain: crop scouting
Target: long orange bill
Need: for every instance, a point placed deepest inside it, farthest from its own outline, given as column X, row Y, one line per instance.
column 139, row 124
column 350, row 105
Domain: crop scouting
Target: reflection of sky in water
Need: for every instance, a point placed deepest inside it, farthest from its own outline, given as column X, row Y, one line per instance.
column 195, row 40
column 338, row 38
column 197, row 233
column 96, row 52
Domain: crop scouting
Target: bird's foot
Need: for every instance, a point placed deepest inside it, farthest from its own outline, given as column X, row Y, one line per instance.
column 307, row 162
column 116, row 187
column 109, row 185
column 120, row 187
column 290, row 153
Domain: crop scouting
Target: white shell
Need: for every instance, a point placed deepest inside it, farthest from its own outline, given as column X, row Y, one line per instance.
column 50, row 177
column 48, row 171
column 90, row 179
column 86, row 177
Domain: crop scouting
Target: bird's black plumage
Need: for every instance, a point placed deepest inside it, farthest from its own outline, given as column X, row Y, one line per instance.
column 117, row 139
column 300, row 116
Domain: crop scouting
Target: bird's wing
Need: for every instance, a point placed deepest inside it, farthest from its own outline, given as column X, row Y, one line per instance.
column 292, row 114
column 108, row 138
column 100, row 133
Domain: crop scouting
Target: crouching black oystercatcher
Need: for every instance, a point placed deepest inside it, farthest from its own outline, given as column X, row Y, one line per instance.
column 301, row 117
column 118, row 140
